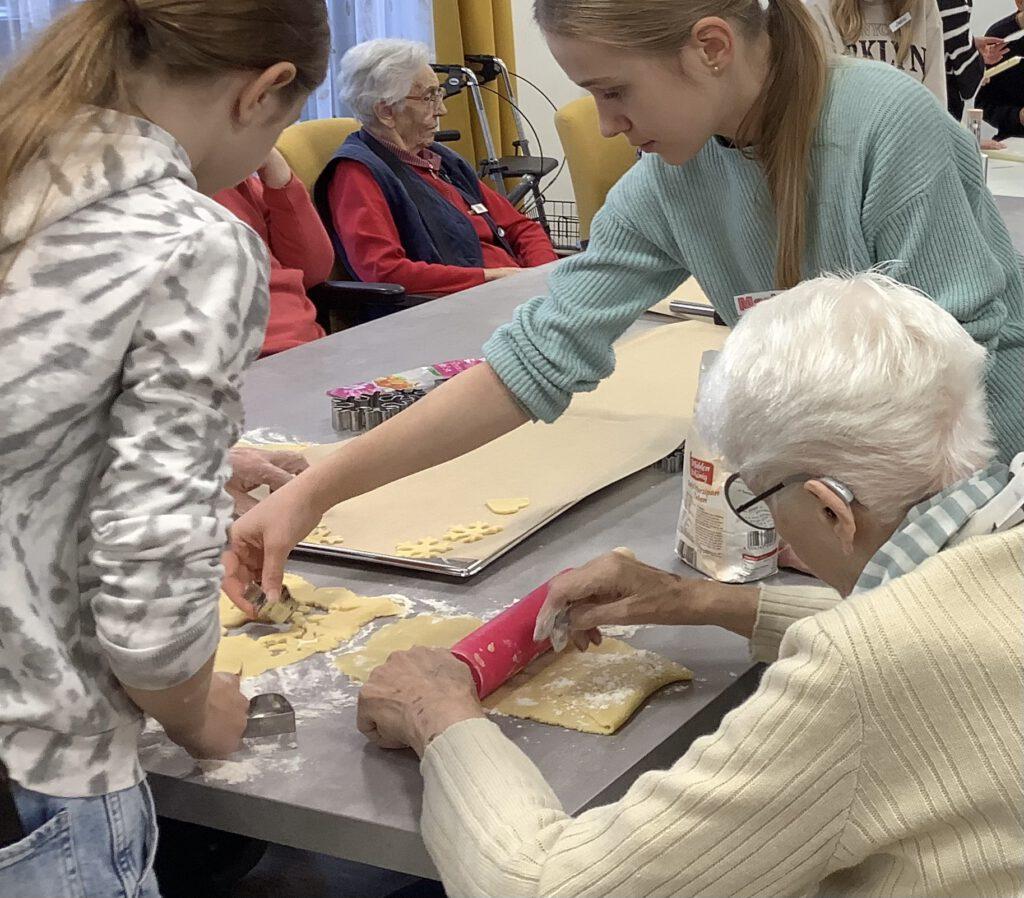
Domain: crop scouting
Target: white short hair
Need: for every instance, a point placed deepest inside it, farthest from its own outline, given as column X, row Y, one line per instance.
column 860, row 378
column 379, row 70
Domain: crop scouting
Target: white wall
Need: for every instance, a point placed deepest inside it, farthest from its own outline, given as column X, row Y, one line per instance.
column 986, row 12
column 535, row 62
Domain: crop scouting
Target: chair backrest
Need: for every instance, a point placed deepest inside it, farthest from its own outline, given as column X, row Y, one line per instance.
column 595, row 162
column 309, row 146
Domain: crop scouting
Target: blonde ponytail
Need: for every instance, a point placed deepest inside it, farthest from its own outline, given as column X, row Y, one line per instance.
column 85, row 58
column 785, row 114
column 788, row 119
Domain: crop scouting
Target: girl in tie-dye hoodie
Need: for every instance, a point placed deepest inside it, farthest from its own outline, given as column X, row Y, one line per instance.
column 130, row 304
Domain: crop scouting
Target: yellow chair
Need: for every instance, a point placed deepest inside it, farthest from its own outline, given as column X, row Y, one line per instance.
column 309, row 146
column 595, row 162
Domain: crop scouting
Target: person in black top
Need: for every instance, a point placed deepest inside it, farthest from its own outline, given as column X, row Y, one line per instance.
column 966, row 57
column 1002, row 99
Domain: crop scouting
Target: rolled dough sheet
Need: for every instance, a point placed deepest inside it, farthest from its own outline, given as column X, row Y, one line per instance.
column 637, row 416
column 594, row 692
column 688, row 291
column 424, row 629
column 324, row 619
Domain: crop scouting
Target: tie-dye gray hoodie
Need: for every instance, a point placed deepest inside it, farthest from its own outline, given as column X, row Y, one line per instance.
column 132, row 308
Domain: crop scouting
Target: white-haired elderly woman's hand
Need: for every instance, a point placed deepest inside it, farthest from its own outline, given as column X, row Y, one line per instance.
column 618, row 590
column 415, row 696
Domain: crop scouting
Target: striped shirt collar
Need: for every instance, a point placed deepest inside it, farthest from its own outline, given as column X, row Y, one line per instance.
column 425, row 158
column 931, row 525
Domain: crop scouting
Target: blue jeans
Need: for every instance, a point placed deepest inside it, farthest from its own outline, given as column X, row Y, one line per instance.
column 100, row 847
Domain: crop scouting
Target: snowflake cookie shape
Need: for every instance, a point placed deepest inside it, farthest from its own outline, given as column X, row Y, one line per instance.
column 471, row 533
column 322, row 534
column 428, row 547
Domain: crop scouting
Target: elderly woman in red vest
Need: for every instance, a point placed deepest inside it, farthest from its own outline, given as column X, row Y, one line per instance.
column 403, row 209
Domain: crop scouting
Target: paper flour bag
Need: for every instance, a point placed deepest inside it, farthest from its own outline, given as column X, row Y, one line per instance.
column 710, row 537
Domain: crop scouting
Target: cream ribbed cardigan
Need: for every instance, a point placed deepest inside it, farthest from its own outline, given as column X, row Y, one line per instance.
column 882, row 755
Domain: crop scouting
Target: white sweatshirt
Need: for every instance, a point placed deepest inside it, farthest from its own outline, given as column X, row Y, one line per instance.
column 926, row 60
column 126, row 321
column 882, row 755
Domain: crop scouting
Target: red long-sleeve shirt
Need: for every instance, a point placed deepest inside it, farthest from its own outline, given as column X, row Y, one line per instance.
column 374, row 248
column 301, row 255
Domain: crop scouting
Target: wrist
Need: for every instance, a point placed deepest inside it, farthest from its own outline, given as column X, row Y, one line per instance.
column 731, row 607
column 433, row 723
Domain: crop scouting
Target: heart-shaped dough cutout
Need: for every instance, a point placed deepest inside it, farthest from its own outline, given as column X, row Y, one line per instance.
column 507, row 506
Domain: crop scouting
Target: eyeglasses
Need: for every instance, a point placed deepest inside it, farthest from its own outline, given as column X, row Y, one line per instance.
column 754, row 511
column 435, row 96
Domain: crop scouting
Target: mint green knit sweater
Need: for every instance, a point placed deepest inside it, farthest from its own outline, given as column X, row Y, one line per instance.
column 893, row 179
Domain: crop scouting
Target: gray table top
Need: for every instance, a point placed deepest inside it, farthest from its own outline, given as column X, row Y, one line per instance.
column 338, row 795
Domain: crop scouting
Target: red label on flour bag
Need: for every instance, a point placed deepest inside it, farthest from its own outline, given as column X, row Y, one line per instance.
column 746, row 301
column 701, row 470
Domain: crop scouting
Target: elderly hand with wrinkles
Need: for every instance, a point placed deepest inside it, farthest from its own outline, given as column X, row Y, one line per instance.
column 618, row 589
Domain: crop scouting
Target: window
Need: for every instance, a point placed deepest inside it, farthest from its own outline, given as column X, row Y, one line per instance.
column 352, row 21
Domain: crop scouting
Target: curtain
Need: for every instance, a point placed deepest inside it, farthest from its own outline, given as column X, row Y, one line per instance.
column 20, row 18
column 352, row 21
column 477, row 26
column 355, row 21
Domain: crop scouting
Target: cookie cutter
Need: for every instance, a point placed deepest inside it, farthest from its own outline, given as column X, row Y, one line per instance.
column 271, row 718
column 256, row 597
column 673, row 462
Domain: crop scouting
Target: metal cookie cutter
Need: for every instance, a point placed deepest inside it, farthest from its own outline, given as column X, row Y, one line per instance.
column 271, row 720
column 673, row 462
column 278, row 613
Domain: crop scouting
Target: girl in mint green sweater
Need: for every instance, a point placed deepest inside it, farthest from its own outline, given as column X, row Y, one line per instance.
column 765, row 162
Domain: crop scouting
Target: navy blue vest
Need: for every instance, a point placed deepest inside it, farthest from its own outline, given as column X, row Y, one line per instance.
column 431, row 229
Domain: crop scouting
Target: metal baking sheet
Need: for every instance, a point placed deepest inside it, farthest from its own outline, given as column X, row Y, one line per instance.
column 458, row 568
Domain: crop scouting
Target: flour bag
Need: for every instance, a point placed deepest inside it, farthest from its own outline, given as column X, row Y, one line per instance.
column 710, row 537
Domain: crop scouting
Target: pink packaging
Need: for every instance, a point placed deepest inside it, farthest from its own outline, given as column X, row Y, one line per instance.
column 354, row 391
column 451, row 368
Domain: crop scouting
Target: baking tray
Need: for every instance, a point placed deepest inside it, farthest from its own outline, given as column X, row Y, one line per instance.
column 447, row 566
column 461, row 568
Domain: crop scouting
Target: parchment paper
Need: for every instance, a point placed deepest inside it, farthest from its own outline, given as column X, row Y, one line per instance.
column 636, row 417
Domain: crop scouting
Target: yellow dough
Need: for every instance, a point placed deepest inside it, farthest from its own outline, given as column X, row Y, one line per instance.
column 507, row 506
column 428, row 547
column 423, row 629
column 593, row 692
column 323, row 619
column 323, row 535
column 471, row 533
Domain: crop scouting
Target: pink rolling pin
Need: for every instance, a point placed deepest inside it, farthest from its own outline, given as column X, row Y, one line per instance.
column 503, row 646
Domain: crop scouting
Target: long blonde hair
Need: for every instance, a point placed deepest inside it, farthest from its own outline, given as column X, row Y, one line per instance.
column 786, row 111
column 848, row 16
column 87, row 55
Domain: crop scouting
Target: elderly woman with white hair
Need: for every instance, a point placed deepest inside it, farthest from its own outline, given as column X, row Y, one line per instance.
column 402, row 209
column 882, row 753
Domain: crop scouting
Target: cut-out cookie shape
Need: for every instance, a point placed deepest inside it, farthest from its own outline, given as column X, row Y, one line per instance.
column 471, row 533
column 323, row 534
column 428, row 547
column 507, row 506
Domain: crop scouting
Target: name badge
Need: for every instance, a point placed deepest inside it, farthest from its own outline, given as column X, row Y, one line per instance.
column 746, row 301
column 479, row 208
column 899, row 23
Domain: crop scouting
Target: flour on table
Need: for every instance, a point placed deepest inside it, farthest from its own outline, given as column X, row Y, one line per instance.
column 593, row 692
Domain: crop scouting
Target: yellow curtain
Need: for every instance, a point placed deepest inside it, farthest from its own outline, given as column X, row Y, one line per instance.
column 477, row 26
